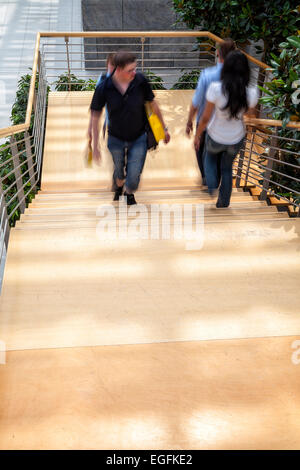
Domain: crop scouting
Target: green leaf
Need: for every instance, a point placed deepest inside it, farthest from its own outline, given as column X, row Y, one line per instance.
column 294, row 41
column 268, row 92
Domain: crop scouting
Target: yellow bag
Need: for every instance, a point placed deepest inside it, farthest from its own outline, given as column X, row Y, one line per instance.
column 155, row 124
column 89, row 156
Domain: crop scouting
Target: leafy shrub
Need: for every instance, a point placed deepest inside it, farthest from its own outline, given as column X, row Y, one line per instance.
column 19, row 108
column 280, row 91
column 66, row 82
column 270, row 20
column 156, row 81
column 187, row 81
column 282, row 104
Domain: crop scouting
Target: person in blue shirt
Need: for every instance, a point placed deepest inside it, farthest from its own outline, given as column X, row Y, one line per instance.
column 110, row 65
column 109, row 68
column 208, row 75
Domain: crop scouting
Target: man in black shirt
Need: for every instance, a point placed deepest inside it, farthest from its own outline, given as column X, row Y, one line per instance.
column 124, row 93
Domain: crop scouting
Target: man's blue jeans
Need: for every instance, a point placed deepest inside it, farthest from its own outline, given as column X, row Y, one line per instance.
column 226, row 154
column 136, row 156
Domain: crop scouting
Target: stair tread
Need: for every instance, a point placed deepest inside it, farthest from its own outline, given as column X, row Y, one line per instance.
column 241, row 210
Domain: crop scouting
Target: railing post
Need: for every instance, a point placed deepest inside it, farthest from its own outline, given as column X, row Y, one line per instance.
column 240, row 165
column 250, row 155
column 68, row 60
column 4, row 225
column 239, row 170
column 268, row 172
column 29, row 158
column 143, row 52
column 17, row 172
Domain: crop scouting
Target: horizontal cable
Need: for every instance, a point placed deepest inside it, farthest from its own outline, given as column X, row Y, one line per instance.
column 270, row 192
column 152, row 59
column 14, row 169
column 244, row 170
column 277, row 172
column 13, row 156
column 83, row 55
column 284, row 150
column 114, row 44
column 97, row 69
column 20, row 177
column 260, row 133
column 23, row 198
column 275, row 160
column 281, row 185
column 17, row 142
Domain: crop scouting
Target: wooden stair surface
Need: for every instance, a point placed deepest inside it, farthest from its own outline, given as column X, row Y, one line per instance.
column 146, row 344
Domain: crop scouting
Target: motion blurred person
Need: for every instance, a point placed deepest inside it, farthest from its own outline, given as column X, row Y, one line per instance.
column 125, row 93
column 227, row 102
column 110, row 65
column 208, row 75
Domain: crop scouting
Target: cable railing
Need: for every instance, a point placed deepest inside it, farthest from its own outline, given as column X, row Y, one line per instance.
column 171, row 60
column 21, row 158
column 271, row 162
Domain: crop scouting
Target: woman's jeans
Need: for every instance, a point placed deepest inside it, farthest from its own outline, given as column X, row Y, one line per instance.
column 226, row 154
column 136, row 156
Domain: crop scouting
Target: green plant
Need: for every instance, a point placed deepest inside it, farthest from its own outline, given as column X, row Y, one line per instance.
column 280, row 104
column 66, row 82
column 156, row 81
column 89, row 85
column 221, row 17
column 18, row 116
column 187, row 81
column 280, row 90
column 19, row 108
column 271, row 20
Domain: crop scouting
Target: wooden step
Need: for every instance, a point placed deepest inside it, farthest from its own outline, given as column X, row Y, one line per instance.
column 279, row 229
column 141, row 198
column 255, row 191
column 151, row 192
column 36, row 216
column 78, row 224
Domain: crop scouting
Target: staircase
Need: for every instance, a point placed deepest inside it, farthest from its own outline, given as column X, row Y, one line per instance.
column 66, row 287
column 146, row 343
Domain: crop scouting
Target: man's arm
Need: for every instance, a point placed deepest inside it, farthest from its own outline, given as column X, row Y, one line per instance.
column 155, row 109
column 95, row 118
column 196, row 103
column 205, row 118
column 189, row 124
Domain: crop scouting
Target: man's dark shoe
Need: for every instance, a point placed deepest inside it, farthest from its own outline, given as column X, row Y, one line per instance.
column 130, row 199
column 219, row 205
column 118, row 193
column 114, row 185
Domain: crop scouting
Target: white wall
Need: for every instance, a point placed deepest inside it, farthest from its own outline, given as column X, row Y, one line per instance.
column 19, row 22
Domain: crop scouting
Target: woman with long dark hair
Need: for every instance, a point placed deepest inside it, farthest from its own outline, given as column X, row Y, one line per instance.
column 226, row 103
